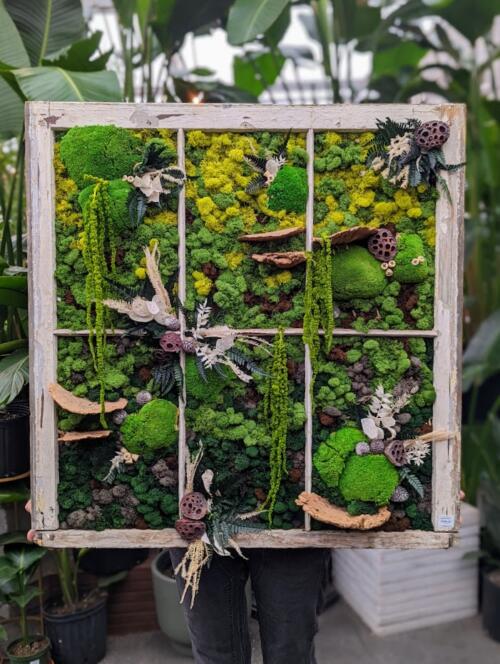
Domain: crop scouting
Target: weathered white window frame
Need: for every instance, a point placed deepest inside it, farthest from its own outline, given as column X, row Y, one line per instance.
column 45, row 118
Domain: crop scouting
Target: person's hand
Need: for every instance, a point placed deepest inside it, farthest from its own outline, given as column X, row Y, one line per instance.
column 31, row 534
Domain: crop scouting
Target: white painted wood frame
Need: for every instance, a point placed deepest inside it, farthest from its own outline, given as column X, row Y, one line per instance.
column 45, row 118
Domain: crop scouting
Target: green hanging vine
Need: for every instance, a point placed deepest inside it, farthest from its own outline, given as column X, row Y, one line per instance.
column 276, row 414
column 98, row 240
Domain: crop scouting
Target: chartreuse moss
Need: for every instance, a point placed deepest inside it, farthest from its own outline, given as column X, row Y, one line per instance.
column 153, row 427
column 356, row 274
column 330, row 457
column 276, row 415
column 288, row 190
column 371, row 478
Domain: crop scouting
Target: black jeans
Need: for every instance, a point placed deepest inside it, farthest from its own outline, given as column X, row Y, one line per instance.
column 287, row 586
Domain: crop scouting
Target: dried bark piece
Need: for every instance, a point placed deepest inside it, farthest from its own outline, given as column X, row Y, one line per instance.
column 280, row 234
column 281, row 258
column 69, row 402
column 190, row 530
column 353, row 234
column 321, row 510
column 193, row 506
column 73, row 436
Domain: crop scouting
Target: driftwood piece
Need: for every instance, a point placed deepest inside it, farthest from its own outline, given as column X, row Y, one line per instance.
column 321, row 510
column 280, row 234
column 68, row 401
column 353, row 234
column 281, row 258
column 74, row 436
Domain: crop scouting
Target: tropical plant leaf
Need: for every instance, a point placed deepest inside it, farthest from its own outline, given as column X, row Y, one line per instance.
column 13, row 493
column 249, row 18
column 24, row 598
column 13, row 376
column 56, row 84
column 137, row 208
column 12, row 49
column 25, row 557
column 78, row 56
column 482, row 356
column 257, row 72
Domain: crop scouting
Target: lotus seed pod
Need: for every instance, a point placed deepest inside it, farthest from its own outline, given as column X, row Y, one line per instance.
column 377, row 446
column 362, row 449
column 382, row 245
column 171, row 342
column 193, row 506
column 395, row 452
column 400, row 495
column 190, row 530
column 432, row 135
column 143, row 397
column 119, row 417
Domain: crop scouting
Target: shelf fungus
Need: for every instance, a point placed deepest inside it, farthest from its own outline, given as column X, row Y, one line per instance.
column 281, row 258
column 354, row 234
column 75, row 436
column 269, row 236
column 69, row 402
column 321, row 510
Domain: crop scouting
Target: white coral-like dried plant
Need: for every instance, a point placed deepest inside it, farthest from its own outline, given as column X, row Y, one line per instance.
column 416, row 451
column 382, row 409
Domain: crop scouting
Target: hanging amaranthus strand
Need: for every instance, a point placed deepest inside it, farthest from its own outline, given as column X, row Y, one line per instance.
column 97, row 240
column 324, row 289
column 191, row 566
column 311, row 313
column 276, row 413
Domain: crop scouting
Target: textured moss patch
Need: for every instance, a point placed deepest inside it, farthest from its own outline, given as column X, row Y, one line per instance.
column 329, row 458
column 410, row 248
column 356, row 274
column 119, row 192
column 370, row 478
column 288, row 190
column 203, row 390
column 104, row 152
column 152, row 428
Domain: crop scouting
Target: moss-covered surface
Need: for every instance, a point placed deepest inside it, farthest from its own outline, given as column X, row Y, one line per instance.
column 232, row 425
column 219, row 266
column 347, row 193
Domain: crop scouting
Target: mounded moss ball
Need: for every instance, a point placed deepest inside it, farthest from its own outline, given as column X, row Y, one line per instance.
column 119, row 192
column 356, row 274
column 152, row 428
column 199, row 389
column 102, row 151
column 370, row 478
column 288, row 190
column 410, row 248
column 329, row 458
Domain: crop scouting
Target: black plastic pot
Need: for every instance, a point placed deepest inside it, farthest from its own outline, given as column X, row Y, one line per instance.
column 104, row 562
column 15, row 440
column 40, row 657
column 491, row 603
column 78, row 638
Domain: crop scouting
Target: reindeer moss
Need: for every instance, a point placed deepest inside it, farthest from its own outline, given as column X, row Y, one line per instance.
column 288, row 190
column 101, row 151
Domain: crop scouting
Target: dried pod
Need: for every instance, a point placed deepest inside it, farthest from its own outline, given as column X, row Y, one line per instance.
column 193, row 506
column 143, row 397
column 171, row 322
column 119, row 417
column 190, row 530
column 400, row 495
column 188, row 345
column 362, row 449
column 377, row 446
column 171, row 342
column 395, row 452
column 382, row 245
column 432, row 135
column 389, row 272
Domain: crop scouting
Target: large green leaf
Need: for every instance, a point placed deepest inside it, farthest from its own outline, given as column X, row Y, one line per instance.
column 78, row 56
column 12, row 48
column 277, row 30
column 482, row 356
column 47, row 26
column 250, row 18
column 25, row 556
column 11, row 111
column 354, row 19
column 13, row 376
column 13, row 292
column 473, row 18
column 391, row 60
column 256, row 73
column 56, row 84
column 22, row 599
column 13, row 492
column 7, row 570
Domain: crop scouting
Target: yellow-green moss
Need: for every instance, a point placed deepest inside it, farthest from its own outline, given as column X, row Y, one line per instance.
column 356, row 274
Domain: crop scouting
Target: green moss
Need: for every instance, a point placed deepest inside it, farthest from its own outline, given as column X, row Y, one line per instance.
column 119, row 192
column 356, row 273
column 288, row 190
column 329, row 458
column 357, row 507
column 101, row 151
column 410, row 247
column 203, row 390
column 371, row 478
column 153, row 427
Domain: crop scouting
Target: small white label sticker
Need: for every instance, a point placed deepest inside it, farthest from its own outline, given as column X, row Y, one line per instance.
column 446, row 521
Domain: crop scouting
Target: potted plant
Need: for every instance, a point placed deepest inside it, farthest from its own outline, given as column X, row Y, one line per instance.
column 14, row 411
column 76, row 619
column 17, row 567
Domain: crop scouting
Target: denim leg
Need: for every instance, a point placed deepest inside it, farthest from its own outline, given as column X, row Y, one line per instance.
column 218, row 621
column 287, row 584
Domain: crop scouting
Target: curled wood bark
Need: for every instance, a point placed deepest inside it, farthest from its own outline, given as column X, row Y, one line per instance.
column 281, row 258
column 353, row 234
column 280, row 234
column 321, row 510
column 74, row 436
column 68, row 401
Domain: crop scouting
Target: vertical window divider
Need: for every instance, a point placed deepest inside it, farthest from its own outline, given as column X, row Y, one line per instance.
column 181, row 229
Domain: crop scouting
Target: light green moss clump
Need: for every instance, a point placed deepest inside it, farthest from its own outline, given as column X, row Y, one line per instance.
column 329, row 458
column 101, row 151
column 371, row 478
column 356, row 274
column 203, row 390
column 410, row 247
column 152, row 428
column 119, row 192
column 288, row 190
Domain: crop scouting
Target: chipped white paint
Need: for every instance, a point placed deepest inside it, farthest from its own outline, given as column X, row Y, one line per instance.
column 44, row 118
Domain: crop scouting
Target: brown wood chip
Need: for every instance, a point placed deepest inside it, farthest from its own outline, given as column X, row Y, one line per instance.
column 350, row 235
column 280, row 234
column 68, row 401
column 281, row 258
column 321, row 510
column 73, row 436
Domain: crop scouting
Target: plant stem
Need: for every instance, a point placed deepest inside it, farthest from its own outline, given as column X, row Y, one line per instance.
column 64, row 572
